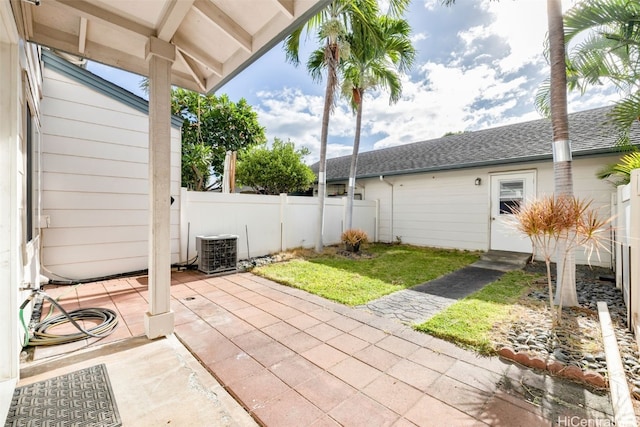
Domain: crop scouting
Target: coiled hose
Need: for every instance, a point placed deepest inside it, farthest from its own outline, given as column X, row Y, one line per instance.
column 41, row 336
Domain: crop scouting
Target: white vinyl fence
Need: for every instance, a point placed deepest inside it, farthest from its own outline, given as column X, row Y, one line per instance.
column 267, row 224
column 627, row 246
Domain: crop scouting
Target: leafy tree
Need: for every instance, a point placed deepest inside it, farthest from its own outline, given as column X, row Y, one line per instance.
column 331, row 26
column 276, row 170
column 566, row 292
column 620, row 172
column 371, row 66
column 608, row 51
column 212, row 125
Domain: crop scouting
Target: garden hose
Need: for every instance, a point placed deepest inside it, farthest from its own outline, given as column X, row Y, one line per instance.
column 41, row 336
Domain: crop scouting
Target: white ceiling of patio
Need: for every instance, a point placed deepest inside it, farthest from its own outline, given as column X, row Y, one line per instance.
column 215, row 39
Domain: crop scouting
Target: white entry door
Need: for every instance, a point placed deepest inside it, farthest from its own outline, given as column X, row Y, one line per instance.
column 510, row 190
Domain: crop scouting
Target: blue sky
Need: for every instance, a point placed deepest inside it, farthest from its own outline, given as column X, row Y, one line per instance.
column 478, row 65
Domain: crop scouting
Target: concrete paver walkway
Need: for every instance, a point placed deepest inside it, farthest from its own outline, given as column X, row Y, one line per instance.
column 419, row 303
column 294, row 359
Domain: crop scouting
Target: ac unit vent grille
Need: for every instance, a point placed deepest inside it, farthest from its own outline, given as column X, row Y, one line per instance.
column 217, row 253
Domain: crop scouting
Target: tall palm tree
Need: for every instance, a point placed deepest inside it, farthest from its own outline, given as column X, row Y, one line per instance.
column 369, row 67
column 566, row 293
column 332, row 25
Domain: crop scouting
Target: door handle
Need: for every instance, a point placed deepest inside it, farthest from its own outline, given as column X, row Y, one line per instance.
column 493, row 218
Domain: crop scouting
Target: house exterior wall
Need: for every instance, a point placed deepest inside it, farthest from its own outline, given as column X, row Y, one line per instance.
column 19, row 245
column 446, row 209
column 95, row 182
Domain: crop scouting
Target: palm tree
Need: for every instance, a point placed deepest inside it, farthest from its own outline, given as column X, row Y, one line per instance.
column 566, row 293
column 368, row 67
column 609, row 52
column 332, row 25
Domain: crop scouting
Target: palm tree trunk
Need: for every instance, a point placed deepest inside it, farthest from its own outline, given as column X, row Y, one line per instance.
column 562, row 163
column 354, row 162
column 332, row 80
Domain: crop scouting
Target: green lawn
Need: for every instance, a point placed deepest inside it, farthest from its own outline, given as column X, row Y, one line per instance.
column 356, row 281
column 470, row 321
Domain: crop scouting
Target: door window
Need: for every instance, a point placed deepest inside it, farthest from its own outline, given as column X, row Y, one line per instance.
column 511, row 195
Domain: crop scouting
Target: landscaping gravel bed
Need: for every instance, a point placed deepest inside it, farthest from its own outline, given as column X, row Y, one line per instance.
column 577, row 341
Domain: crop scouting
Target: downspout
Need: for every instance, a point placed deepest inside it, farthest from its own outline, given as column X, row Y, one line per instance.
column 390, row 185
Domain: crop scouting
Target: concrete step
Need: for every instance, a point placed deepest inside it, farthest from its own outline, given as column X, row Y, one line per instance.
column 503, row 260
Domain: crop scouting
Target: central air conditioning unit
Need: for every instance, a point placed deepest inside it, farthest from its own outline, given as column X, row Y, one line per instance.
column 217, row 254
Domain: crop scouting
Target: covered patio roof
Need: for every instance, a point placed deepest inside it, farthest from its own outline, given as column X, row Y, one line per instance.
column 194, row 44
column 214, row 39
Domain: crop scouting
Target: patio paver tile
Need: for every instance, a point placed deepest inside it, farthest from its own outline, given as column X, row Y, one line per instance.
column 359, row 410
column 323, row 332
column 499, row 412
column 252, row 339
column 355, row 372
column 288, row 410
column 235, row 368
column 436, row 361
column 377, row 357
column 347, row 343
column 261, row 320
column 295, row 370
column 255, row 391
column 280, row 330
column 403, row 422
column 397, row 345
column 416, row 375
column 369, row 334
column 324, row 356
column 433, row 412
column 303, row 321
column 215, row 352
column 470, row 375
column 464, row 397
column 324, row 421
column 300, row 342
column 325, row 391
column 271, row 353
column 393, row 393
column 344, row 323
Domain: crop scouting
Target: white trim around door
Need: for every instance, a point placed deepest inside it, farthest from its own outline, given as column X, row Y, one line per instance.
column 508, row 190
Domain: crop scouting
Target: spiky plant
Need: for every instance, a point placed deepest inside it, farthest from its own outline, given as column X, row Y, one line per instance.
column 548, row 220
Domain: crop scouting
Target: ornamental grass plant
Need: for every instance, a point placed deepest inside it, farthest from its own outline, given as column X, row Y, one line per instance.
column 561, row 223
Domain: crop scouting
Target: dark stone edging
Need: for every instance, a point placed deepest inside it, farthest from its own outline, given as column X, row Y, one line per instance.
column 571, row 372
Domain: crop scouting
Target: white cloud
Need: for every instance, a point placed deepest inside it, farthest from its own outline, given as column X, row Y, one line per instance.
column 292, row 114
column 488, row 79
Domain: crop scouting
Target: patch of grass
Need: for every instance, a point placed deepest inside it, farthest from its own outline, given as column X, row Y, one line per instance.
column 469, row 322
column 354, row 281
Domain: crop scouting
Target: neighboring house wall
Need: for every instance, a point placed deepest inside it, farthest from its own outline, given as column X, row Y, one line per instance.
column 95, row 176
column 19, row 202
column 446, row 208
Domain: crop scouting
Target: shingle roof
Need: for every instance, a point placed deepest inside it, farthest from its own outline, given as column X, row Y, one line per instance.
column 521, row 142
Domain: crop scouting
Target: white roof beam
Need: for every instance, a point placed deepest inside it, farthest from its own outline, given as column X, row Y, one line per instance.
column 194, row 71
column 188, row 48
column 287, row 7
column 173, row 17
column 82, row 34
column 91, row 11
column 214, row 14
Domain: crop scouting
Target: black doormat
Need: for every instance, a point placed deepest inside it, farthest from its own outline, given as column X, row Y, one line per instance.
column 80, row 399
